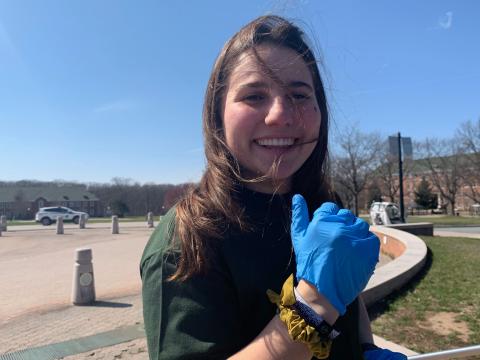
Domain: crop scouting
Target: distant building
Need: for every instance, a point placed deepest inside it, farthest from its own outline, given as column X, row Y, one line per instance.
column 22, row 202
column 418, row 169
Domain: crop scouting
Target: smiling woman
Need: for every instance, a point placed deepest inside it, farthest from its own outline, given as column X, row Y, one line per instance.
column 213, row 267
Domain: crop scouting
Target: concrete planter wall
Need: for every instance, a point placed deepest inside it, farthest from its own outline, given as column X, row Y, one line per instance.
column 409, row 253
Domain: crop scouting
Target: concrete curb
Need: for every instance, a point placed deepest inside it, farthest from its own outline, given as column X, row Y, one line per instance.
column 410, row 255
column 395, row 274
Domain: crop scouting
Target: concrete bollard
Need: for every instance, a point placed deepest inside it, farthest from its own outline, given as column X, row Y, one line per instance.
column 82, row 221
column 3, row 223
column 115, row 224
column 150, row 220
column 60, row 225
column 83, row 289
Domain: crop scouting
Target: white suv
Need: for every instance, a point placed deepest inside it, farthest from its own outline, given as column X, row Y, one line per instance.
column 48, row 215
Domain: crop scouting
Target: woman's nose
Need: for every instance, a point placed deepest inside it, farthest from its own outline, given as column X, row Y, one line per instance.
column 280, row 112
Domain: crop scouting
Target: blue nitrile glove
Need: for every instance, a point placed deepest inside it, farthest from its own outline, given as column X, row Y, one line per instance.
column 383, row 354
column 336, row 252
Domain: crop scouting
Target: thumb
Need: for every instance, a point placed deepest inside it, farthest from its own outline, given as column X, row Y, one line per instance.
column 300, row 218
column 325, row 210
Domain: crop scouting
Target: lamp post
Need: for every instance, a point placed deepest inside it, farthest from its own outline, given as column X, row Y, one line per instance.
column 396, row 144
column 400, row 176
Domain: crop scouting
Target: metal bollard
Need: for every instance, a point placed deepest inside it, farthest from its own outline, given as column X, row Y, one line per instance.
column 81, row 223
column 115, row 229
column 3, row 223
column 83, row 289
column 150, row 220
column 60, row 225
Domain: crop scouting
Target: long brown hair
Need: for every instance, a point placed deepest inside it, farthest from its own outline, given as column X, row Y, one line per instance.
column 209, row 209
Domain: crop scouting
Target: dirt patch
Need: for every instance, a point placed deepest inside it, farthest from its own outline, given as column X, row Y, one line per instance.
column 446, row 323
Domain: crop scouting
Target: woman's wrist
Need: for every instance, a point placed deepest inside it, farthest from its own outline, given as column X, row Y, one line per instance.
column 317, row 301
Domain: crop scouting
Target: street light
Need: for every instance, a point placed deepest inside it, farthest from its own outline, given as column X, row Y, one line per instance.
column 395, row 149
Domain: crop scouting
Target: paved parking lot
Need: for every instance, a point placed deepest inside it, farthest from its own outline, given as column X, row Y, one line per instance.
column 36, row 266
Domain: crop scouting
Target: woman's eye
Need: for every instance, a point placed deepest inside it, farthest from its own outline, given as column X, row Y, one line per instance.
column 300, row 96
column 254, row 97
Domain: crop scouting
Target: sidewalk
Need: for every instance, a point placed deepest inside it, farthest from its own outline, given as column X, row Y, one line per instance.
column 449, row 233
column 73, row 322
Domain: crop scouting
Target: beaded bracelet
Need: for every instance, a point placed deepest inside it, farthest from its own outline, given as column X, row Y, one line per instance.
column 297, row 327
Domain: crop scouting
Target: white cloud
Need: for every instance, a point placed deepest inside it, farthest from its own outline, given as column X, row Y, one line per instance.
column 382, row 68
column 115, row 106
column 445, row 21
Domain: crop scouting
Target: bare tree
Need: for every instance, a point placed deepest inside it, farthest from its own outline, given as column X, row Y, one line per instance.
column 353, row 166
column 387, row 174
column 139, row 199
column 468, row 136
column 444, row 162
column 19, row 205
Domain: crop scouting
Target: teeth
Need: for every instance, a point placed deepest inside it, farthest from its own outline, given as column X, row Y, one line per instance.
column 276, row 142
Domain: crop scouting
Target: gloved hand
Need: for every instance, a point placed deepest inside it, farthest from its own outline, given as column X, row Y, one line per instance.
column 383, row 354
column 336, row 252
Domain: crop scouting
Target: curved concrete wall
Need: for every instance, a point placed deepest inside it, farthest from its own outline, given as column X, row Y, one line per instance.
column 409, row 253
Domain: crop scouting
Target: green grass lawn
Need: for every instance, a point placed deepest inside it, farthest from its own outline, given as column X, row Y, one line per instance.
column 448, row 290
column 20, row 222
column 446, row 220
column 91, row 220
column 125, row 219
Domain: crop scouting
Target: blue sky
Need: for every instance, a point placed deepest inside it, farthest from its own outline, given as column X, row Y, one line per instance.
column 91, row 90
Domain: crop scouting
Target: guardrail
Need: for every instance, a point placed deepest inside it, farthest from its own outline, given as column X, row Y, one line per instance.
column 449, row 354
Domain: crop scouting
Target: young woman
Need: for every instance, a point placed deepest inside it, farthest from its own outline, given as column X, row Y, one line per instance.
column 245, row 228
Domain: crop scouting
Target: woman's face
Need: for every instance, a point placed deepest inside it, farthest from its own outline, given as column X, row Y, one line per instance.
column 269, row 109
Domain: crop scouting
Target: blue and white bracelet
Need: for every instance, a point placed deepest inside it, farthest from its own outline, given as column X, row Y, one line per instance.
column 325, row 330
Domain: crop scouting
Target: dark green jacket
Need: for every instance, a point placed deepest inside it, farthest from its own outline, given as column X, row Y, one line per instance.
column 215, row 315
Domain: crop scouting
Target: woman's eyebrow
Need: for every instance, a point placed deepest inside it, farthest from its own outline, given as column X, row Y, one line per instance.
column 298, row 84
column 253, row 84
column 263, row 85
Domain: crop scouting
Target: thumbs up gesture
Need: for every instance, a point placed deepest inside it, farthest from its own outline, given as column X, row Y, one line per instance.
column 335, row 251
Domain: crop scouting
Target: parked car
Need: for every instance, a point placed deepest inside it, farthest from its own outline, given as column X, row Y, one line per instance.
column 48, row 215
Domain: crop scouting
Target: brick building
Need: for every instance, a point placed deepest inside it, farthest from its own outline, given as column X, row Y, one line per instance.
column 418, row 169
column 22, row 202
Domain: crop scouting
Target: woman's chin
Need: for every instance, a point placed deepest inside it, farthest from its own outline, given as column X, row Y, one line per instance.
column 271, row 185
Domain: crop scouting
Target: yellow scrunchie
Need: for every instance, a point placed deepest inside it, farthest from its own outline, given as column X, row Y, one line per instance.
column 298, row 329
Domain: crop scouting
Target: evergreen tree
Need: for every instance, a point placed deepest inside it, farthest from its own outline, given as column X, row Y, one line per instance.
column 119, row 208
column 424, row 195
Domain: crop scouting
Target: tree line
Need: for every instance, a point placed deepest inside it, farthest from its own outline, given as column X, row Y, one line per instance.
column 363, row 169
column 126, row 197
column 123, row 197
